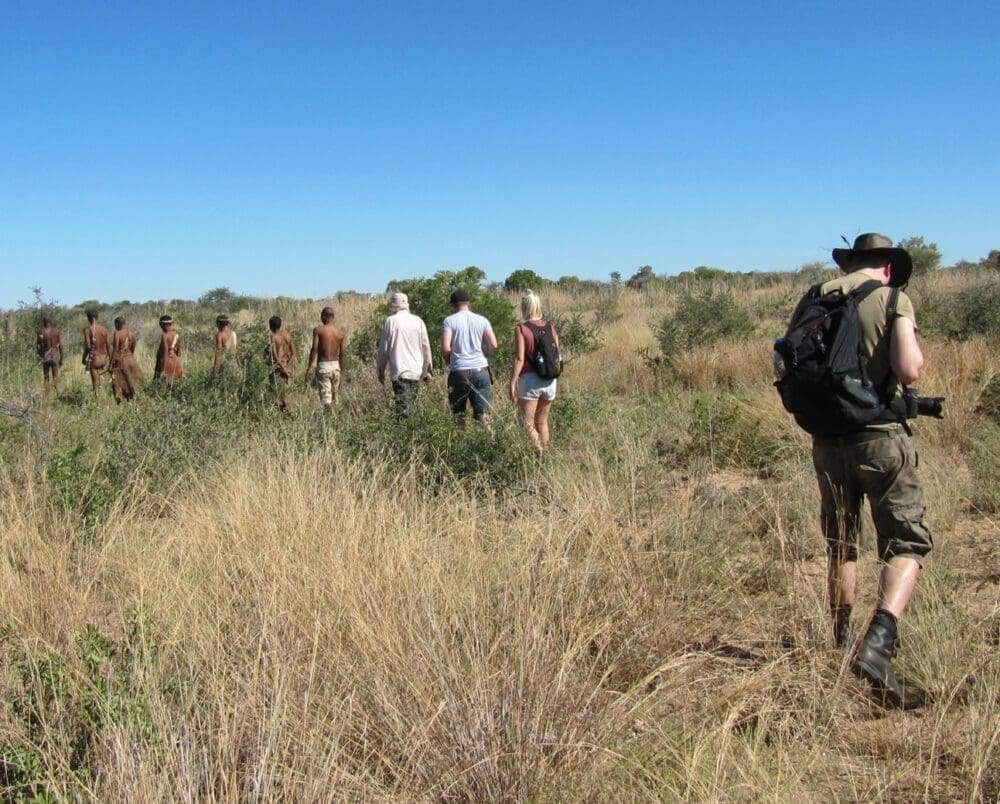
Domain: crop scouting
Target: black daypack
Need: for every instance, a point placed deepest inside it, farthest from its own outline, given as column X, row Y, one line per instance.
column 546, row 359
column 824, row 378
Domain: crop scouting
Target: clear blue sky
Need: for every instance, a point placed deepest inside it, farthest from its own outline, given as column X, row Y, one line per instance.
column 155, row 151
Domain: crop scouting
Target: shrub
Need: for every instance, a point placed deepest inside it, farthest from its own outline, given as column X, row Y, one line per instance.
column 473, row 455
column 80, row 486
column 90, row 690
column 989, row 399
column 982, row 449
column 576, row 337
column 970, row 312
column 702, row 318
column 728, row 431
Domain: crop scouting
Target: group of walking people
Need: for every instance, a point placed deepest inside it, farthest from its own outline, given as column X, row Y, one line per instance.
column 404, row 356
column 103, row 352
column 467, row 343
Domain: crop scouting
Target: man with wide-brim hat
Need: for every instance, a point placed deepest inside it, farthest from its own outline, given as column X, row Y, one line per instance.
column 872, row 247
column 879, row 462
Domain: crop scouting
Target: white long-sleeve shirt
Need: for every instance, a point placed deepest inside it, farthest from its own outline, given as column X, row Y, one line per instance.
column 404, row 347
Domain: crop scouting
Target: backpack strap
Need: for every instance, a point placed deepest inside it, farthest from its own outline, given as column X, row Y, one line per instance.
column 892, row 308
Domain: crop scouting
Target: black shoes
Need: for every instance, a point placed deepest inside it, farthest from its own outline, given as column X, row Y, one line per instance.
column 873, row 663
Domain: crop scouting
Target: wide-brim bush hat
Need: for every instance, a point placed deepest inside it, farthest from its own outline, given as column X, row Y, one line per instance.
column 880, row 245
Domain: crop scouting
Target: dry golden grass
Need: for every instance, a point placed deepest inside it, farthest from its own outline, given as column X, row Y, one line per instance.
column 637, row 620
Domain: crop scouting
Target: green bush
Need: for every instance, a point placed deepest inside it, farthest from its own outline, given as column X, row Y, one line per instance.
column 981, row 452
column 989, row 399
column 108, row 691
column 576, row 337
column 702, row 318
column 80, row 486
column 965, row 314
column 474, row 455
column 727, row 430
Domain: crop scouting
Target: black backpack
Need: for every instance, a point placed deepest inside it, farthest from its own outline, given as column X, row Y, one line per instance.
column 824, row 378
column 546, row 360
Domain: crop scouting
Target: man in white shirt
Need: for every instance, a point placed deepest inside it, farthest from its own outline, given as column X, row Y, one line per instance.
column 467, row 340
column 405, row 349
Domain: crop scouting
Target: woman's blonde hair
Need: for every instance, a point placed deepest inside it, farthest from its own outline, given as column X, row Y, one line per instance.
column 531, row 306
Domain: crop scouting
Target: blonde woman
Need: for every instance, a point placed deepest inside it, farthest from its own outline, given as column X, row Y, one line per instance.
column 533, row 394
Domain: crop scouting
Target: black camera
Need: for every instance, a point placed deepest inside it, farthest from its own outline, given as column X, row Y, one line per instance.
column 917, row 405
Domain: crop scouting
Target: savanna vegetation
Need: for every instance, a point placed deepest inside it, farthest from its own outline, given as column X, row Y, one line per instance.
column 204, row 598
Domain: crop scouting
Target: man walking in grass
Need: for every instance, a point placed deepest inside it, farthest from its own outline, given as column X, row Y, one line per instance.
column 281, row 357
column 125, row 374
column 226, row 370
column 327, row 358
column 50, row 352
column 96, row 349
column 879, row 462
column 467, row 341
column 404, row 348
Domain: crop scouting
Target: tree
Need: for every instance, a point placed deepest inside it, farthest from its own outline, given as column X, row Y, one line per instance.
column 926, row 256
column 216, row 297
column 616, row 277
column 707, row 273
column 641, row 278
column 523, row 279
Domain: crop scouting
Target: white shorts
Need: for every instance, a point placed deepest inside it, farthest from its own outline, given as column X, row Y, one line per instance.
column 531, row 386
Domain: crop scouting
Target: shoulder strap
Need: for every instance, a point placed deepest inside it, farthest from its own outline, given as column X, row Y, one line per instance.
column 892, row 308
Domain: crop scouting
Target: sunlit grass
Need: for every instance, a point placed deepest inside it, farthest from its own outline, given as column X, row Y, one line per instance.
column 637, row 614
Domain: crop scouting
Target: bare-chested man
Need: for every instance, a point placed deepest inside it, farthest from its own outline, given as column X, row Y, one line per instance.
column 168, row 355
column 50, row 352
column 125, row 373
column 226, row 370
column 328, row 358
column 96, row 349
column 281, row 354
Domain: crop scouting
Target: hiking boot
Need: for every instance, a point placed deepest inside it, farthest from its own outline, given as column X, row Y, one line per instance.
column 873, row 662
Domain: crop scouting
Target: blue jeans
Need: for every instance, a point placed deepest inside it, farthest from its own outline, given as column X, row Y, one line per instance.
column 469, row 385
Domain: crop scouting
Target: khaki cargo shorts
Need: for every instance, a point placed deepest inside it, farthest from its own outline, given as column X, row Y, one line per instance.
column 882, row 465
column 328, row 380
